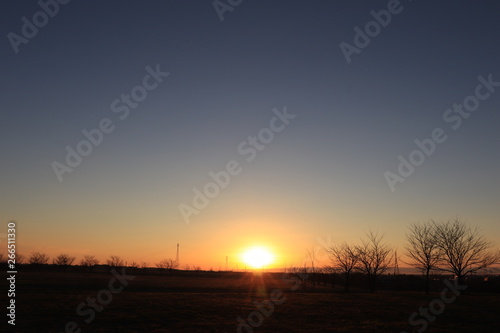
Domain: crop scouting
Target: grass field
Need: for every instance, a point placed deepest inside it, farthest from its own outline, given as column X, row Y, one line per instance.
column 47, row 301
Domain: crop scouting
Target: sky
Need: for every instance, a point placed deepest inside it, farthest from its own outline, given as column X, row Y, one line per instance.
column 328, row 123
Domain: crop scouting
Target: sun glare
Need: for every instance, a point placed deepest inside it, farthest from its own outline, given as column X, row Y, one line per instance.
column 257, row 257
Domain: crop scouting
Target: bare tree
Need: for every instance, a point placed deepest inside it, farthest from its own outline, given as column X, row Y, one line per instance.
column 422, row 249
column 462, row 249
column 299, row 274
column 89, row 261
column 167, row 264
column 329, row 272
column 373, row 258
column 345, row 258
column 20, row 258
column 115, row 261
column 38, row 258
column 144, row 264
column 63, row 260
column 312, row 258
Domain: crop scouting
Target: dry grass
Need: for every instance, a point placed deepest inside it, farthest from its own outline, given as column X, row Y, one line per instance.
column 46, row 301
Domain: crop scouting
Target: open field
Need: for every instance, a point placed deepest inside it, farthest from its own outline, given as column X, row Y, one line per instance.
column 46, row 301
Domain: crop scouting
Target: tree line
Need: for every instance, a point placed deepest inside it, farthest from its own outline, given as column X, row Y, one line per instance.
column 451, row 246
column 63, row 259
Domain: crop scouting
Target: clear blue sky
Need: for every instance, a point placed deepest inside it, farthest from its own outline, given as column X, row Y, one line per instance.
column 322, row 175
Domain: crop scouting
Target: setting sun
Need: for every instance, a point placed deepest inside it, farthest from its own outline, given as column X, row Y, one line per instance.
column 257, row 257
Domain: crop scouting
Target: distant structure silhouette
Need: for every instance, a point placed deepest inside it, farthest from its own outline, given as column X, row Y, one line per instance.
column 226, row 264
column 177, row 256
column 396, row 266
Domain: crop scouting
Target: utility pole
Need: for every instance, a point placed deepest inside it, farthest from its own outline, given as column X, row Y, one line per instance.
column 177, row 257
column 396, row 266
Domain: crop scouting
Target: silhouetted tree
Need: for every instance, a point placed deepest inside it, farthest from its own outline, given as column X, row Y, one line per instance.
column 345, row 258
column 38, row 258
column 20, row 258
column 312, row 258
column 422, row 249
column 89, row 261
column 115, row 261
column 373, row 258
column 167, row 264
column 63, row 260
column 329, row 272
column 462, row 249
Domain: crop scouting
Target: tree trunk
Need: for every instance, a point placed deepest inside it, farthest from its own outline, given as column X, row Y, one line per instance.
column 460, row 278
column 371, row 283
column 427, row 282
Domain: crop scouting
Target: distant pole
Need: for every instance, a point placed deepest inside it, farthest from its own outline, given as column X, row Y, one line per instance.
column 396, row 266
column 226, row 264
column 177, row 256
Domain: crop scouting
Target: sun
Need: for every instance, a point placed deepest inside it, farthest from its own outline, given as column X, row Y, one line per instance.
column 257, row 257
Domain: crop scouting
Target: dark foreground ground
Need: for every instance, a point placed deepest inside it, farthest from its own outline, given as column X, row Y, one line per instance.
column 48, row 301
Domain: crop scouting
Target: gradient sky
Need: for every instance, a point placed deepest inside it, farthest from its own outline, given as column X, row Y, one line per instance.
column 321, row 176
